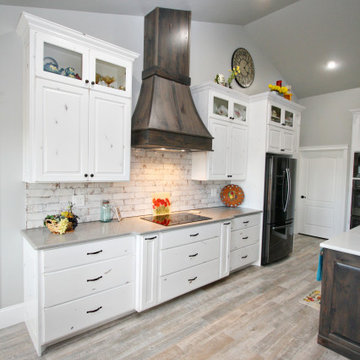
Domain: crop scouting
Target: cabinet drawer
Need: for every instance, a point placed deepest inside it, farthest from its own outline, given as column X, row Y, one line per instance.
column 189, row 279
column 244, row 256
column 71, row 284
column 87, row 253
column 244, row 237
column 188, row 235
column 182, row 257
column 245, row 221
column 62, row 320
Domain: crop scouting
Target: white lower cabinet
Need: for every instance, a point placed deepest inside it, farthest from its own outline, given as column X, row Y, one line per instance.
column 181, row 282
column 72, row 288
column 185, row 260
column 245, row 239
column 244, row 256
column 73, row 316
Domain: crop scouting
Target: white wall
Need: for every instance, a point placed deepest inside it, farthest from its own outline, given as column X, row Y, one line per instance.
column 212, row 46
column 327, row 120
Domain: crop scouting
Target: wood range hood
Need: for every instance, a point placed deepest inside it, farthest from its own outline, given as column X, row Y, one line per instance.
column 165, row 116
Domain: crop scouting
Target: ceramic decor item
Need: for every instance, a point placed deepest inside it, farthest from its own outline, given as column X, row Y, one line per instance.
column 232, row 195
column 161, row 203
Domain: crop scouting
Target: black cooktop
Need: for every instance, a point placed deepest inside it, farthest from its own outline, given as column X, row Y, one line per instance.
column 175, row 219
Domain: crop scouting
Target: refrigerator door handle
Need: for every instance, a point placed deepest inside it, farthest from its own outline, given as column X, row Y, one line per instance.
column 282, row 192
column 288, row 178
column 281, row 227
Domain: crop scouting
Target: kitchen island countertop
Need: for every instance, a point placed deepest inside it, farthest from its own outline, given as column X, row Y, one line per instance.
column 346, row 242
column 41, row 238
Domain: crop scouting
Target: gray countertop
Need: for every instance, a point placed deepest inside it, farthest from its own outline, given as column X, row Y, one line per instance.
column 41, row 238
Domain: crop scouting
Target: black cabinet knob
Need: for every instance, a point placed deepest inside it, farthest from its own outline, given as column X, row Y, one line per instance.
column 303, row 196
column 93, row 83
column 86, row 175
column 86, row 81
column 282, row 149
column 91, row 175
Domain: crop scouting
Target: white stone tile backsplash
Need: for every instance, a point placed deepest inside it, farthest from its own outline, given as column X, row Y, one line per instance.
column 151, row 171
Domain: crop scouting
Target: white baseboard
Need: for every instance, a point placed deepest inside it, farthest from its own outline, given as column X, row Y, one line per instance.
column 11, row 315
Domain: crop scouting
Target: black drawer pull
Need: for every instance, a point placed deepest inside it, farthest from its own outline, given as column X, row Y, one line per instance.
column 227, row 223
column 192, row 235
column 96, row 279
column 244, row 257
column 229, row 176
column 151, row 238
column 194, row 255
column 92, row 311
column 95, row 252
column 282, row 149
column 245, row 237
column 246, row 222
column 191, row 280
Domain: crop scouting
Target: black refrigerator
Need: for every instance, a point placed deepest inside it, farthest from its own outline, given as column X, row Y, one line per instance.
column 279, row 196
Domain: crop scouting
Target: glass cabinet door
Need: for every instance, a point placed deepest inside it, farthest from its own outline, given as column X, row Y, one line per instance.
column 275, row 115
column 239, row 112
column 60, row 60
column 289, row 118
column 220, row 107
column 110, row 74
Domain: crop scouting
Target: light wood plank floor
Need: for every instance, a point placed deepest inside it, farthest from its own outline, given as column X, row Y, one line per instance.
column 253, row 314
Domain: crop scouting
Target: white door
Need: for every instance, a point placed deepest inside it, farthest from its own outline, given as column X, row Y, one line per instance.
column 109, row 137
column 62, row 131
column 238, row 152
column 321, row 192
column 218, row 158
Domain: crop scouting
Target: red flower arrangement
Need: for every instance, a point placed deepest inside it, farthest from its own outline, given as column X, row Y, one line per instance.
column 161, row 206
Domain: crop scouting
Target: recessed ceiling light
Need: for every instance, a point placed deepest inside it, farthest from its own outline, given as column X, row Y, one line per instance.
column 331, row 65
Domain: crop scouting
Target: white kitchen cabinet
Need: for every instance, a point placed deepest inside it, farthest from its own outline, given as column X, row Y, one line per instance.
column 226, row 106
column 77, row 96
column 225, row 248
column 280, row 140
column 245, row 241
column 283, row 127
column 174, row 262
column 228, row 160
column 72, row 288
column 147, row 273
column 224, row 112
column 61, row 120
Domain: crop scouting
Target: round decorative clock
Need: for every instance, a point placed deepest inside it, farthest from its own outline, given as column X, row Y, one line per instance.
column 242, row 58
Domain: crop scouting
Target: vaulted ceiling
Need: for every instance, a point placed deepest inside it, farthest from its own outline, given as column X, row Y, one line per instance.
column 299, row 37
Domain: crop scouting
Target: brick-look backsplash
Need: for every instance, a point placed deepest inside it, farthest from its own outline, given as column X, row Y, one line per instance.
column 151, row 171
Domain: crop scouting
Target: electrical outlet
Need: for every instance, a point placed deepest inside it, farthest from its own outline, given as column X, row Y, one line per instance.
column 213, row 192
column 78, row 200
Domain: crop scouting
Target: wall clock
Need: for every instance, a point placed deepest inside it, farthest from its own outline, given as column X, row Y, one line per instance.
column 241, row 57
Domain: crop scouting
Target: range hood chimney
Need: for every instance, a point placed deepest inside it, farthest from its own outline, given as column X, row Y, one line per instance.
column 165, row 116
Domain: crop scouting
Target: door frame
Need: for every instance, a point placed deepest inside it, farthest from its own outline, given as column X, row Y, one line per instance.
column 343, row 197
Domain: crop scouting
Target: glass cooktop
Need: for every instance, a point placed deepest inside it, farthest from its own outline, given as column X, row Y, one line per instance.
column 175, row 219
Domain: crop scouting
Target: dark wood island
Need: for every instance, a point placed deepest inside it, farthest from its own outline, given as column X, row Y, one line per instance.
column 339, row 328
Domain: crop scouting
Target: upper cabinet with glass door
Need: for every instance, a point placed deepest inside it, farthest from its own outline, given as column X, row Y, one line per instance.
column 228, row 106
column 74, row 63
column 281, row 116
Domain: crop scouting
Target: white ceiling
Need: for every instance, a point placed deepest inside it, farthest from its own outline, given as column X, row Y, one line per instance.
column 297, row 36
column 240, row 12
